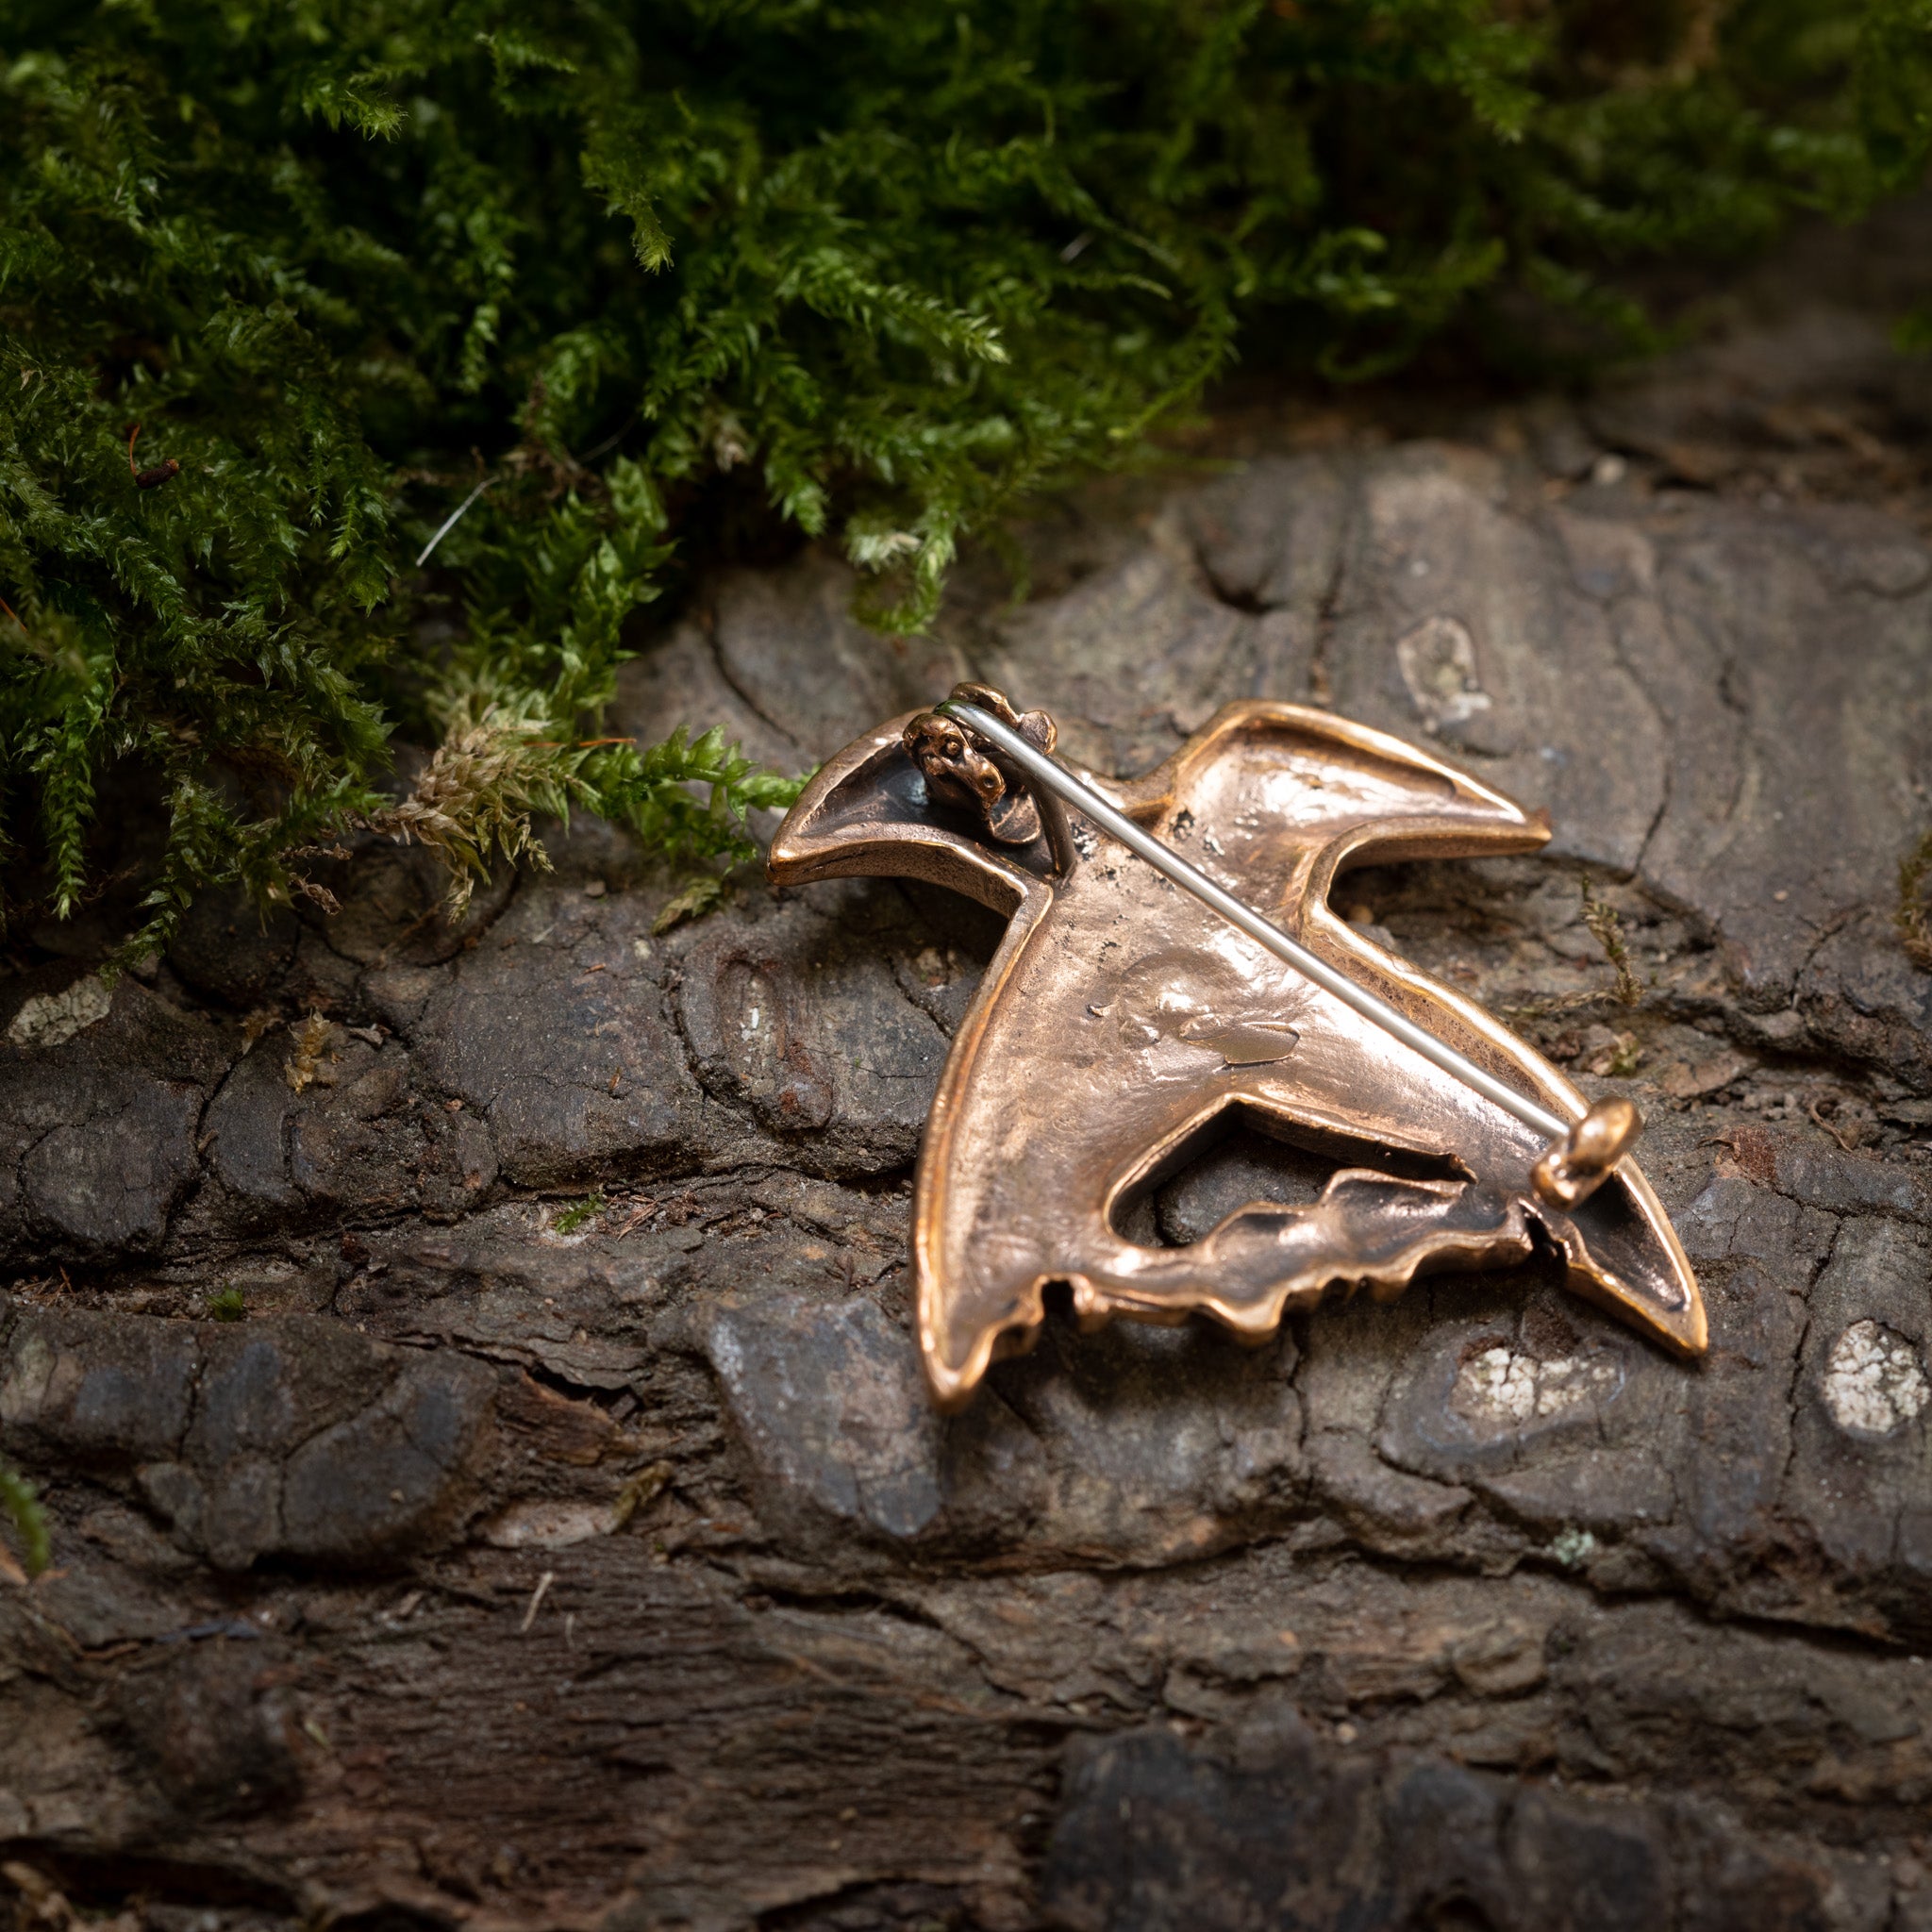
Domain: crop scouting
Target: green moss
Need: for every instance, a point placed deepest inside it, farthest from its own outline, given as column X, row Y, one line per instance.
column 568, row 1220
column 651, row 271
column 1607, row 929
column 227, row 1305
column 21, row 1507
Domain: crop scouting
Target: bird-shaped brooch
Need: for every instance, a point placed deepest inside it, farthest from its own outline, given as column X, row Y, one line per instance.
column 1171, row 955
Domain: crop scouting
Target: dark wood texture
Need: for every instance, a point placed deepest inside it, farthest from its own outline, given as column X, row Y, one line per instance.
column 507, row 1572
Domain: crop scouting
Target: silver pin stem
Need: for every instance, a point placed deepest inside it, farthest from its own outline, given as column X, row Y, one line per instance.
column 1164, row 859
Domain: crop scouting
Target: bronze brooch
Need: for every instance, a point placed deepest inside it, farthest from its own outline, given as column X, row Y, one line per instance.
column 1186, row 962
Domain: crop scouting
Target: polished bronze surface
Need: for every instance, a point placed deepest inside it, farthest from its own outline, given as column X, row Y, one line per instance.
column 1120, row 1021
column 1055, row 781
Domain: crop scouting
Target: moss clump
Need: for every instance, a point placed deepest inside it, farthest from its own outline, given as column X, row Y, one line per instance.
column 20, row 1504
column 1607, row 929
column 578, row 1214
column 618, row 277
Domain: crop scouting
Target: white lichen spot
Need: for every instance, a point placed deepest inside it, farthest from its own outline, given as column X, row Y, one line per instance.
column 1571, row 1381
column 544, row 1524
column 1438, row 662
column 51, row 1019
column 1571, row 1546
column 1872, row 1381
column 1500, row 1386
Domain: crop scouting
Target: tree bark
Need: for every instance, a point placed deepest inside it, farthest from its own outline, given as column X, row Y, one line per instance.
column 564, row 1538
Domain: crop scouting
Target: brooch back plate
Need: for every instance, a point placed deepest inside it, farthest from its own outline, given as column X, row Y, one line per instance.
column 1121, row 1019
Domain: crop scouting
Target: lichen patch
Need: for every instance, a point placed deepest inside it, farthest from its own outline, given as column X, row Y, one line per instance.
column 1873, row 1383
column 52, row 1019
column 1438, row 662
column 1502, row 1386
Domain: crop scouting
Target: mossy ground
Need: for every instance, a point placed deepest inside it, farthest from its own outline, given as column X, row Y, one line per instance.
column 618, row 282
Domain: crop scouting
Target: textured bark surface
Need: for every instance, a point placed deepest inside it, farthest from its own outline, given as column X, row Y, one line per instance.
column 564, row 1538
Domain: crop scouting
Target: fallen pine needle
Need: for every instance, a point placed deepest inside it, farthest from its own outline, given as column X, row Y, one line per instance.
column 537, row 1596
